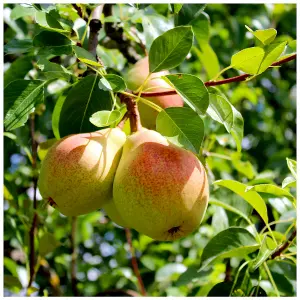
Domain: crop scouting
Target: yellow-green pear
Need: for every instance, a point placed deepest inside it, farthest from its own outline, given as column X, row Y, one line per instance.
column 77, row 173
column 113, row 214
column 135, row 78
column 159, row 189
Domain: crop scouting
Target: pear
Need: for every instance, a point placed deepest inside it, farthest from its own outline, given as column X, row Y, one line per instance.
column 113, row 214
column 77, row 172
column 159, row 189
column 135, row 78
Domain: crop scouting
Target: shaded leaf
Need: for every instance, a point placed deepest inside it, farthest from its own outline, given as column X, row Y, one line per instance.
column 188, row 12
column 44, row 147
column 15, row 46
column 20, row 98
column 48, row 244
column 85, row 56
column 117, row 83
column 49, row 21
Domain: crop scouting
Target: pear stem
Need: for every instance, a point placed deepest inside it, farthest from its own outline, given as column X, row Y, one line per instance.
column 133, row 112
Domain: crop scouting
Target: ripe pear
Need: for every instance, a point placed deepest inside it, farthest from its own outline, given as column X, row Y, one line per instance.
column 113, row 214
column 159, row 189
column 135, row 78
column 77, row 173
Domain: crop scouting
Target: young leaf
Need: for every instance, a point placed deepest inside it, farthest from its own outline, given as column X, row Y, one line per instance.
column 52, row 43
column 232, row 242
column 105, row 118
column 292, row 165
column 85, row 56
column 15, row 46
column 248, row 60
column 289, row 182
column 170, row 49
column 176, row 7
column 270, row 189
column 84, row 99
column 191, row 89
column 252, row 197
column 266, row 36
column 272, row 52
column 171, row 123
column 20, row 98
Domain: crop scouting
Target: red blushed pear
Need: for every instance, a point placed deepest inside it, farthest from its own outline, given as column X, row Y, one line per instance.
column 135, row 78
column 77, row 173
column 160, row 190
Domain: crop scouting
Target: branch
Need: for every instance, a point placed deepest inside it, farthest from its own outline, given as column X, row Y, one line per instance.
column 95, row 26
column 32, row 231
column 132, row 112
column 285, row 245
column 239, row 78
column 74, row 257
column 135, row 263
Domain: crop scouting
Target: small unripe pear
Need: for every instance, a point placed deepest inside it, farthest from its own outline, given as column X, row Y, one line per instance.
column 159, row 189
column 135, row 78
column 77, row 173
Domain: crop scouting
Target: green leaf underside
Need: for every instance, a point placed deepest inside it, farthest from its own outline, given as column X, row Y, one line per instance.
column 170, row 49
column 191, row 89
column 105, row 118
column 84, row 99
column 270, row 189
column 20, row 98
column 252, row 197
column 232, row 242
column 171, row 123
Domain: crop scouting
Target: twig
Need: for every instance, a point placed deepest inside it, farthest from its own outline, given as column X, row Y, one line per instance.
column 74, row 257
column 133, row 112
column 285, row 245
column 135, row 263
column 32, row 231
column 95, row 26
column 239, row 78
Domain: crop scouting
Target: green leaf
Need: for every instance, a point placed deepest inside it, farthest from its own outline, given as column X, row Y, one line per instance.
column 116, row 82
column 188, row 12
column 283, row 284
column 285, row 268
column 12, row 282
column 20, row 98
column 252, row 197
column 49, row 22
column 52, row 70
column 272, row 52
column 84, row 99
column 20, row 11
column 292, row 165
column 170, row 49
column 266, row 36
column 232, row 242
column 105, row 118
column 248, row 60
column 271, row 189
column 85, row 56
column 44, row 147
column 200, row 26
column 171, row 123
column 289, row 182
column 18, row 69
column 267, row 248
column 52, row 43
column 15, row 46
column 191, row 89
column 176, row 7
column 48, row 243
column 244, row 167
column 11, row 266
column 222, row 111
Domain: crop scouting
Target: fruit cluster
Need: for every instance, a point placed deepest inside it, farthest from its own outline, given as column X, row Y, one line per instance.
column 142, row 181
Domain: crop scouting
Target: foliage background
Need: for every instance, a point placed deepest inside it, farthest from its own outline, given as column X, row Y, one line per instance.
column 268, row 106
